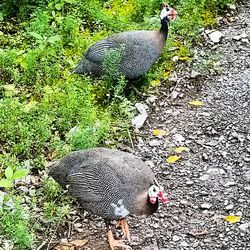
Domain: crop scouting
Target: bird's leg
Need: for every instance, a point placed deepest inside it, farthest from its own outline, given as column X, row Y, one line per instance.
column 115, row 243
column 124, row 226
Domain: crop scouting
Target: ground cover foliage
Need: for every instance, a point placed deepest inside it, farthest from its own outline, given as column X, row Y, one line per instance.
column 46, row 112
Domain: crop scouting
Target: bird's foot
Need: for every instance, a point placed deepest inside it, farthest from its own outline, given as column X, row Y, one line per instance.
column 116, row 243
column 125, row 229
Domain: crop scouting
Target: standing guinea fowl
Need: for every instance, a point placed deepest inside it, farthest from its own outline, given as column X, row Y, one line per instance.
column 111, row 184
column 138, row 50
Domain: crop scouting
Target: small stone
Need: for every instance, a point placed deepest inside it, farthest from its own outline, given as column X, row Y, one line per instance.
column 184, row 202
column 175, row 59
column 247, row 188
column 244, row 35
column 229, row 207
column 154, row 143
column 215, row 36
column 189, row 183
column 184, row 244
column 236, row 38
column 156, row 225
column 174, row 94
column 244, row 226
column 204, row 177
column 238, row 213
column 204, row 156
column 178, row 138
column 77, row 225
column 213, row 171
column 230, row 184
column 245, row 40
column 176, row 238
column 206, row 205
column 194, row 74
column 232, row 6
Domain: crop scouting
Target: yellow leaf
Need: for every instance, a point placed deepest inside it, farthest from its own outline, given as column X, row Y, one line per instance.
column 173, row 158
column 155, row 83
column 181, row 149
column 159, row 132
column 30, row 105
column 196, row 103
column 232, row 218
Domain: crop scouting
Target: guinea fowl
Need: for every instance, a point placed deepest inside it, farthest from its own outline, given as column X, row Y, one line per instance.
column 138, row 50
column 111, row 184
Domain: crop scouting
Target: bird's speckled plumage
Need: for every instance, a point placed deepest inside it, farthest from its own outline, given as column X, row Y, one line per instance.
column 139, row 51
column 108, row 183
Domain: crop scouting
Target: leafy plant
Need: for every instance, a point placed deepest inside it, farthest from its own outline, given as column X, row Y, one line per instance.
column 11, row 175
column 16, row 225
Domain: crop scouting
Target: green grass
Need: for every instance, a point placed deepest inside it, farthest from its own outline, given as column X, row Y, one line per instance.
column 16, row 225
column 46, row 112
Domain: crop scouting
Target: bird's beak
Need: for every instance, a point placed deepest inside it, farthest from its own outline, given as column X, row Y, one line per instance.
column 153, row 200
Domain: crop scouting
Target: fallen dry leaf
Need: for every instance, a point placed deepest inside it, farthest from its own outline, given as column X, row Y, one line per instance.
column 72, row 245
column 159, row 132
column 198, row 232
column 232, row 218
column 181, row 149
column 173, row 158
column 79, row 243
column 64, row 246
column 196, row 103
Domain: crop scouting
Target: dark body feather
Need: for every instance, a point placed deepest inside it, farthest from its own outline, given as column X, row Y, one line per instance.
column 139, row 51
column 108, row 183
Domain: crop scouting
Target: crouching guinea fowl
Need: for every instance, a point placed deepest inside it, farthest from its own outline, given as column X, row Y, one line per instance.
column 111, row 184
column 138, row 50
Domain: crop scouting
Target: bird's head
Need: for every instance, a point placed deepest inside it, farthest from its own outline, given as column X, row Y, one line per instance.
column 167, row 14
column 156, row 192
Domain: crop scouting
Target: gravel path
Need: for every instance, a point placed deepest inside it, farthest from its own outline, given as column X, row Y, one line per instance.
column 212, row 180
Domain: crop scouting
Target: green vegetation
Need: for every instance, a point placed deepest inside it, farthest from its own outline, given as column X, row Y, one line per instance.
column 45, row 111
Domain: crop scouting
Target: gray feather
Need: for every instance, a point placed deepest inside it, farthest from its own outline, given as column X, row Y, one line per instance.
column 100, row 178
column 141, row 49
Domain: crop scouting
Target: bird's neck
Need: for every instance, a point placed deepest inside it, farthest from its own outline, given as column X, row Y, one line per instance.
column 164, row 27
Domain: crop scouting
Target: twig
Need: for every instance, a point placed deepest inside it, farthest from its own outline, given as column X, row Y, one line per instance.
column 43, row 244
column 57, row 198
column 178, row 81
column 69, row 231
column 53, row 234
column 130, row 138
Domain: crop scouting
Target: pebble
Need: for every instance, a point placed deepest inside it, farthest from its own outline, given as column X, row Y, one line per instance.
column 204, row 177
column 178, row 138
column 184, row 244
column 175, row 59
column 206, row 205
column 236, row 38
column 244, row 226
column 176, row 238
column 194, row 74
column 215, row 36
column 230, row 184
column 189, row 183
column 154, row 143
column 229, row 207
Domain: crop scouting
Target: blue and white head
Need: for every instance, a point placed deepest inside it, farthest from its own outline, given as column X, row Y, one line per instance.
column 167, row 14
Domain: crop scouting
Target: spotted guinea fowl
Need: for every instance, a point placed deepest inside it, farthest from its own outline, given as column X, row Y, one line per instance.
column 111, row 184
column 138, row 49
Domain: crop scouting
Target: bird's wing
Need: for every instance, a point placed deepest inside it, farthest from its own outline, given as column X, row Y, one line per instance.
column 96, row 53
column 86, row 185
